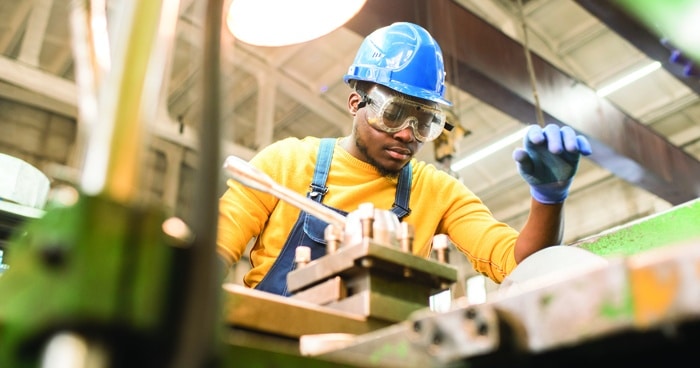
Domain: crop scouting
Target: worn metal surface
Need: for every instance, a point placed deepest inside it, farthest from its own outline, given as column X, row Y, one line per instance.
column 428, row 340
column 282, row 316
column 394, row 261
column 595, row 313
column 580, row 306
column 594, row 316
column 491, row 66
column 372, row 280
column 634, row 308
column 675, row 225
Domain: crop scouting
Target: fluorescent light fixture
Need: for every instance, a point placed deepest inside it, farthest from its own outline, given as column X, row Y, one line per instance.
column 629, row 78
column 287, row 22
column 488, row 150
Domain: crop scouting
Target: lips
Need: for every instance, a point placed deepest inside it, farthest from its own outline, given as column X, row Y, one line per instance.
column 399, row 153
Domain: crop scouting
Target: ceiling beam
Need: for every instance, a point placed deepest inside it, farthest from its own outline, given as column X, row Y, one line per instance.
column 489, row 65
column 33, row 87
column 639, row 36
column 244, row 59
column 34, row 35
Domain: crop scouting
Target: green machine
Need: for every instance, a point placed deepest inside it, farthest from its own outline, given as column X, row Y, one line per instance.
column 104, row 278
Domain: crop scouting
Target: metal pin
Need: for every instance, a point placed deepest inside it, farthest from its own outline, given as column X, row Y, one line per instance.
column 366, row 212
column 440, row 243
column 404, row 235
column 332, row 235
column 302, row 256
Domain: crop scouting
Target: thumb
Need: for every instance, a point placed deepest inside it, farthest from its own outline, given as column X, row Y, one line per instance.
column 522, row 158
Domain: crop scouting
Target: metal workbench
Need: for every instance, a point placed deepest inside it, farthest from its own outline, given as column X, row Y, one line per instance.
column 642, row 306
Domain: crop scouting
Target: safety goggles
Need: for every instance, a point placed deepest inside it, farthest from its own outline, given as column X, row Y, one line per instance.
column 391, row 113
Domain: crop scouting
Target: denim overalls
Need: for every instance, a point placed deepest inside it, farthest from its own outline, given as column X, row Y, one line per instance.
column 309, row 230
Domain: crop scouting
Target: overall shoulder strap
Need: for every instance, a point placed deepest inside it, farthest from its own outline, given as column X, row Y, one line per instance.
column 318, row 187
column 403, row 193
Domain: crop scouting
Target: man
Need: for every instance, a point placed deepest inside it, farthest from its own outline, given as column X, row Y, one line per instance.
column 398, row 85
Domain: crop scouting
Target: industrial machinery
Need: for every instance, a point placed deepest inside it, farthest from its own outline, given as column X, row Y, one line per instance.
column 562, row 306
column 369, row 268
column 105, row 280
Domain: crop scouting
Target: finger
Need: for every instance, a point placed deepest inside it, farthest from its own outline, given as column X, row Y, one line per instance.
column 534, row 135
column 568, row 136
column 553, row 136
column 584, row 146
column 523, row 159
column 520, row 155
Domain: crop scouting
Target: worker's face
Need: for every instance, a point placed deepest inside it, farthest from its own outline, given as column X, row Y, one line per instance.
column 387, row 152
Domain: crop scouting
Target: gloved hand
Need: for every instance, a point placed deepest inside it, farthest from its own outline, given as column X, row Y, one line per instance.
column 549, row 161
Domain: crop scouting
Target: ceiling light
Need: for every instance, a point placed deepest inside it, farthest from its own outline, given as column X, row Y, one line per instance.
column 287, row 22
column 488, row 150
column 629, row 78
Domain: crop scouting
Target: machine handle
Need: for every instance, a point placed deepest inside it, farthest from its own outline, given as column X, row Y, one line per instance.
column 250, row 176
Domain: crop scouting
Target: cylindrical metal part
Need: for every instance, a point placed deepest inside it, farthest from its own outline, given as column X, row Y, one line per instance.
column 253, row 177
column 440, row 246
column 384, row 228
column 366, row 212
column 405, row 235
column 333, row 236
column 302, row 256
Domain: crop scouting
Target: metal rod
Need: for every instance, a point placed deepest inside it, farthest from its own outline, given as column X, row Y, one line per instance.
column 250, row 176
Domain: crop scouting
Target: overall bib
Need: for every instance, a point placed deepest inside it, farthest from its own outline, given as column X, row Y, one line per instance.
column 309, row 230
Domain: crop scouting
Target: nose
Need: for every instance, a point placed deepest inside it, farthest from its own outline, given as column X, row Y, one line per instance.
column 406, row 134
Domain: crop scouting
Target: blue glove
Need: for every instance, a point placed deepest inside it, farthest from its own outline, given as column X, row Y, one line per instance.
column 549, row 161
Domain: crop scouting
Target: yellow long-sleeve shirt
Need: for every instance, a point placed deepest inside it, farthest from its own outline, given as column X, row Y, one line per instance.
column 439, row 204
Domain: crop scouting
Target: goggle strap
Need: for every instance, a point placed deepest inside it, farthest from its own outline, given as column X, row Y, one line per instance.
column 365, row 99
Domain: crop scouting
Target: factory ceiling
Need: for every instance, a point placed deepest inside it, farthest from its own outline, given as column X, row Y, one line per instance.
column 492, row 67
column 646, row 134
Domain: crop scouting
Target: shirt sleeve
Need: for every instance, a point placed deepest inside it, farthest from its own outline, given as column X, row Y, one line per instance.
column 488, row 243
column 243, row 211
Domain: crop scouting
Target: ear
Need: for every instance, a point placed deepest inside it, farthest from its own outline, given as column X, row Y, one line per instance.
column 354, row 100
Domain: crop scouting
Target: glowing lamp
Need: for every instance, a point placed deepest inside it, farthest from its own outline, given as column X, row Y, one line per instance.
column 287, row 22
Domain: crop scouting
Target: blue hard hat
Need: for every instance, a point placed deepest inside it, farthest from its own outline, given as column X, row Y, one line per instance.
column 403, row 57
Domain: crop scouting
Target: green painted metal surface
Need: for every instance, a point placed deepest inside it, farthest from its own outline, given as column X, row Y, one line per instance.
column 97, row 268
column 241, row 356
column 678, row 224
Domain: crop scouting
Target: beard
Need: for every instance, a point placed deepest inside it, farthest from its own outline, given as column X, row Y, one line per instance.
column 383, row 170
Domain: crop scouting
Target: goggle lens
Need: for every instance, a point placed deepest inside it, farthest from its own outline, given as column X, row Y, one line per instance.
column 394, row 113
